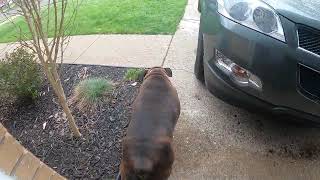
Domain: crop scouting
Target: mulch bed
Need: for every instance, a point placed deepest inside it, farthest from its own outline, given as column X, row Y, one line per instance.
column 97, row 155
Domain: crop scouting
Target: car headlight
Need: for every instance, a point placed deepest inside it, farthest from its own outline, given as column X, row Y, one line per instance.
column 254, row 14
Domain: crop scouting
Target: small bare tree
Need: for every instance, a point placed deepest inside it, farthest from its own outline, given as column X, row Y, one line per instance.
column 44, row 20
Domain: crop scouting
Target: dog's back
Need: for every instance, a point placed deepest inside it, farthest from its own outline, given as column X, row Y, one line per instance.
column 156, row 108
column 147, row 149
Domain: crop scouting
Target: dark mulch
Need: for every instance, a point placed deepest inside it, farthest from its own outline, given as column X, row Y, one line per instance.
column 97, row 156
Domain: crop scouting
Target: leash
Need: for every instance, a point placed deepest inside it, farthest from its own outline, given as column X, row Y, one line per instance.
column 167, row 52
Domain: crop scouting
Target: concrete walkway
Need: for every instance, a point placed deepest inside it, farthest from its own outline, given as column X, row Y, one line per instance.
column 116, row 50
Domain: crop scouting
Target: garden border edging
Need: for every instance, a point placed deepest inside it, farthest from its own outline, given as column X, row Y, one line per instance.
column 18, row 162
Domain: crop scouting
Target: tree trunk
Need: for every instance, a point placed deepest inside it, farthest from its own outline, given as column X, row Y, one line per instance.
column 58, row 90
column 48, row 52
column 69, row 116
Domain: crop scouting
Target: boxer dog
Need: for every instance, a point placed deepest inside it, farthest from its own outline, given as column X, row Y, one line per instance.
column 147, row 148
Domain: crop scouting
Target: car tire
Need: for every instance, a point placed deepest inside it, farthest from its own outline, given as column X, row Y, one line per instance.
column 198, row 66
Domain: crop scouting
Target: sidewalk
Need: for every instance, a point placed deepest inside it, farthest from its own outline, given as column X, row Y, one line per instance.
column 115, row 50
column 118, row 50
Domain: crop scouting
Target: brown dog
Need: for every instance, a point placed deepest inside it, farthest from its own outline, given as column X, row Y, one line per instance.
column 147, row 148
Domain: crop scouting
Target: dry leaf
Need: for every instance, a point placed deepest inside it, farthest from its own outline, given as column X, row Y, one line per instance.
column 44, row 125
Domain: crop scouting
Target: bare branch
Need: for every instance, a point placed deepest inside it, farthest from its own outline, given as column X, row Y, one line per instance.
column 47, row 52
column 55, row 25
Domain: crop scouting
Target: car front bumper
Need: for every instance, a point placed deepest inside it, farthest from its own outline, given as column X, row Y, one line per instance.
column 276, row 63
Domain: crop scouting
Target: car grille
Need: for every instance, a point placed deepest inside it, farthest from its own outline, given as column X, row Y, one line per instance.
column 309, row 39
column 310, row 82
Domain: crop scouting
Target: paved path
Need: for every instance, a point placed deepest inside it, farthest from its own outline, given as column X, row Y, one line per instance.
column 116, row 50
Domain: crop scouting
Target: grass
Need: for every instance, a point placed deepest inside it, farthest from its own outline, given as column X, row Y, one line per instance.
column 89, row 92
column 115, row 17
column 133, row 74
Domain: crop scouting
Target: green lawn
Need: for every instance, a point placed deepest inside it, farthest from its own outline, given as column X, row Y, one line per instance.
column 116, row 17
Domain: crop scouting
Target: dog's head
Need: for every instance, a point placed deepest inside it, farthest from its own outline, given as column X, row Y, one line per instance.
column 146, row 160
column 155, row 70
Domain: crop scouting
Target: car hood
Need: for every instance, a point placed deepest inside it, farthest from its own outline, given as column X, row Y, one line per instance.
column 299, row 11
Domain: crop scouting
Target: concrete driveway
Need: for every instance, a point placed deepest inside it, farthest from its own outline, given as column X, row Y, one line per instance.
column 214, row 140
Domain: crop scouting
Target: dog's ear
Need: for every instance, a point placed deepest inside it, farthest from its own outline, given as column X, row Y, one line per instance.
column 168, row 72
column 142, row 75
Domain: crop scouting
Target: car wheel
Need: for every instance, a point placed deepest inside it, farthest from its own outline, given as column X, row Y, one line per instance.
column 198, row 66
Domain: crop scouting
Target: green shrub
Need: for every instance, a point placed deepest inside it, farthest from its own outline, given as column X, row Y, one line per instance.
column 133, row 74
column 89, row 92
column 20, row 75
